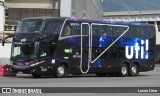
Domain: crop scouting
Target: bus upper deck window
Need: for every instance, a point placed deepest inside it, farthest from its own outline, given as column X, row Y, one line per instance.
column 68, row 30
column 37, row 26
column 53, row 27
column 29, row 26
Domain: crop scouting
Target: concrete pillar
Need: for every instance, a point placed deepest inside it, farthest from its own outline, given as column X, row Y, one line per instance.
column 65, row 8
column 157, row 33
column 2, row 15
column 156, row 26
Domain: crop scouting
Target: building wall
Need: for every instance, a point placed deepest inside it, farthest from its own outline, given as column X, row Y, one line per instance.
column 19, row 9
column 5, row 52
column 151, row 17
column 65, row 8
column 43, row 4
column 87, row 9
column 1, row 15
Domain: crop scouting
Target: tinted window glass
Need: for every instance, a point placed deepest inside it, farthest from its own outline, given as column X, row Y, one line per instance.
column 29, row 26
column 109, row 31
column 115, row 31
column 142, row 32
column 150, row 32
column 101, row 30
column 53, row 27
column 73, row 28
column 118, row 30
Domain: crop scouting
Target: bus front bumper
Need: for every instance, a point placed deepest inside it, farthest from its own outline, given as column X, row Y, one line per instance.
column 24, row 69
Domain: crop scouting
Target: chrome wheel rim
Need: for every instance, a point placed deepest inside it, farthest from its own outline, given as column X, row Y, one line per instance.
column 60, row 71
column 134, row 70
column 124, row 70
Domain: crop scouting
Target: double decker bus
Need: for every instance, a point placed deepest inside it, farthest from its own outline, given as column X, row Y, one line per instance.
column 61, row 46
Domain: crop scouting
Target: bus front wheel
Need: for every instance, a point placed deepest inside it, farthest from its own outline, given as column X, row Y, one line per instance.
column 61, row 71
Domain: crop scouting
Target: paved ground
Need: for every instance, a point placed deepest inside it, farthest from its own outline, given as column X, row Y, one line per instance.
column 145, row 79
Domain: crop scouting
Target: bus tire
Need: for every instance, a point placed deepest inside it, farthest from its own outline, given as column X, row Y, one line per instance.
column 133, row 70
column 124, row 70
column 61, row 71
column 101, row 74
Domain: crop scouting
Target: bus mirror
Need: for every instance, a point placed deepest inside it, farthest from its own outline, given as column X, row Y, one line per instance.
column 3, row 41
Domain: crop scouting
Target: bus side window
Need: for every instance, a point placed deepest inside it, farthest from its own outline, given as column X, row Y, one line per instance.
column 72, row 28
column 133, row 33
column 150, row 32
column 142, row 32
column 127, row 34
column 122, row 30
column 68, row 30
column 48, row 30
column 100, row 30
column 104, row 30
column 85, row 29
column 76, row 30
column 136, row 31
column 52, row 27
column 94, row 30
column 109, row 30
column 115, row 31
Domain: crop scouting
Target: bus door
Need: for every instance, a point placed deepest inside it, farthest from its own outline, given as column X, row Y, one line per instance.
column 85, row 48
column 45, row 56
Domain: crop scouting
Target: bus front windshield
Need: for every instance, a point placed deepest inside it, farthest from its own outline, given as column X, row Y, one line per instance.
column 22, row 52
column 29, row 26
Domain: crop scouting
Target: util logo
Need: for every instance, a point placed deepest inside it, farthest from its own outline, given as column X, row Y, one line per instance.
column 129, row 50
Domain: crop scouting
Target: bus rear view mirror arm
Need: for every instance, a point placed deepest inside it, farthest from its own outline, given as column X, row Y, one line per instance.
column 39, row 37
column 5, row 38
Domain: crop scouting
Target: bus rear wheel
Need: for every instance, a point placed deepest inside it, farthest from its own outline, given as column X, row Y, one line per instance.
column 61, row 71
column 124, row 70
column 133, row 70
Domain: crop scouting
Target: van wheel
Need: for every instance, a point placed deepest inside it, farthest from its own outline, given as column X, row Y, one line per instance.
column 133, row 70
column 124, row 70
column 61, row 71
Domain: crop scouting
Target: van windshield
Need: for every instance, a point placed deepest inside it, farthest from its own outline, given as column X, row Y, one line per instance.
column 29, row 26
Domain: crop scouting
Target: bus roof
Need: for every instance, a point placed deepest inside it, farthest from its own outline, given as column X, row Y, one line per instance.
column 109, row 22
column 46, row 18
column 90, row 21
